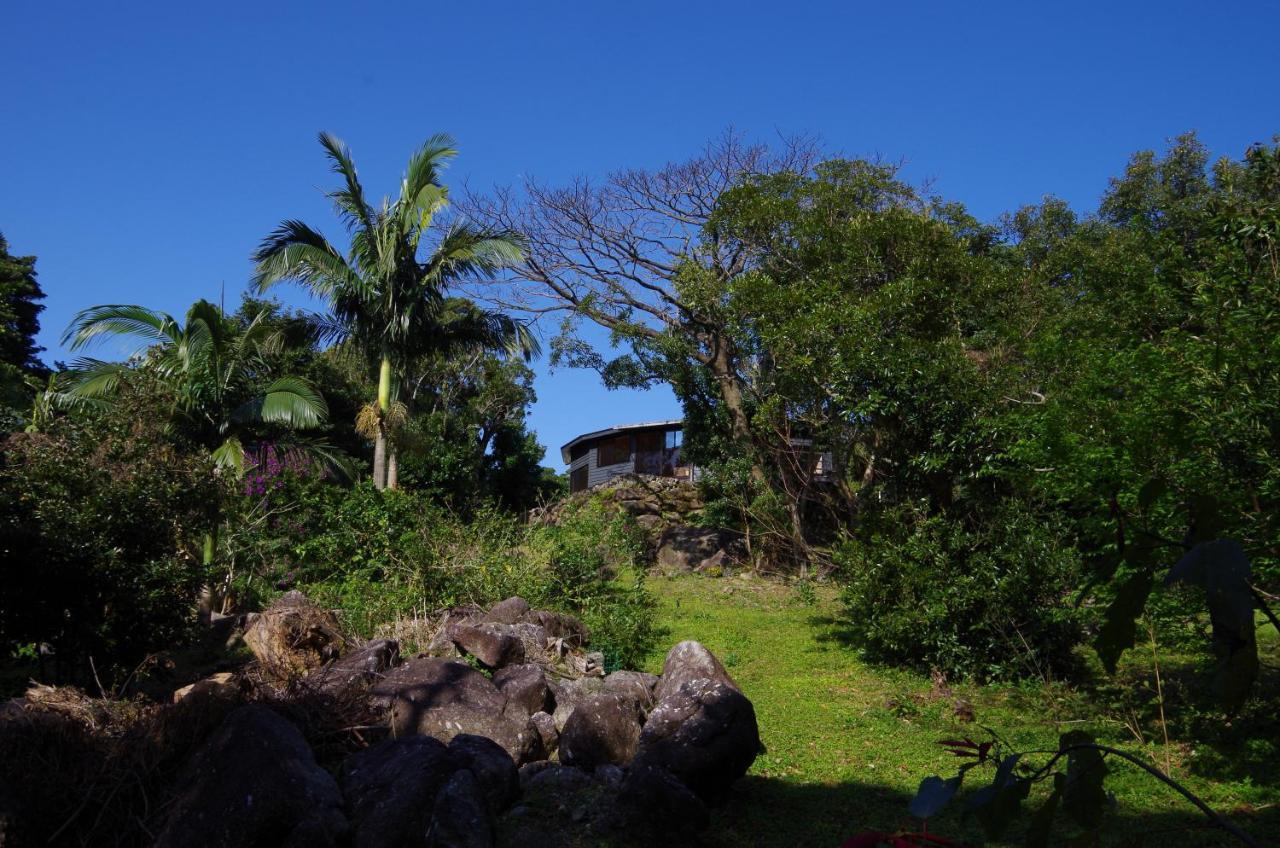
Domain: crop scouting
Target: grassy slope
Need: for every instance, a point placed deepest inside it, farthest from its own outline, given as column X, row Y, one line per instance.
column 848, row 743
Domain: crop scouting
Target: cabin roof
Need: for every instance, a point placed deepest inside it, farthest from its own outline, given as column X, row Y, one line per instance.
column 614, row 430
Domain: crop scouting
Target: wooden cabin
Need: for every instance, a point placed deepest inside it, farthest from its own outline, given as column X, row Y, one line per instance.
column 651, row 448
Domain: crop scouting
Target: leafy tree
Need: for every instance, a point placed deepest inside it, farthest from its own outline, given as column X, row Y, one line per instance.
column 1158, row 379
column 20, row 293
column 217, row 373
column 392, row 303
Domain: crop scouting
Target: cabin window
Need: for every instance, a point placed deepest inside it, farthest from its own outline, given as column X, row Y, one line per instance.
column 578, row 479
column 578, row 451
column 614, row 451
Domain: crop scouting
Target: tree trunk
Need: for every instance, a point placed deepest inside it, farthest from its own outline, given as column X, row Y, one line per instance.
column 380, row 458
column 393, row 468
column 721, row 366
column 384, row 406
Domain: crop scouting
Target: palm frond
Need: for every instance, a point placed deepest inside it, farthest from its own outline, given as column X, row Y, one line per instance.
column 150, row 326
column 92, row 379
column 291, row 401
column 296, row 251
column 466, row 252
column 349, row 201
column 230, row 455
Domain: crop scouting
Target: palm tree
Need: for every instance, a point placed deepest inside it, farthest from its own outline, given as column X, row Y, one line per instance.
column 381, row 295
column 209, row 364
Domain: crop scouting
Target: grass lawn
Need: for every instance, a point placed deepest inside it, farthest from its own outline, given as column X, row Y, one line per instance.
column 848, row 743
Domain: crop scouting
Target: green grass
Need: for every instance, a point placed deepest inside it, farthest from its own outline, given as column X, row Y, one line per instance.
column 848, row 743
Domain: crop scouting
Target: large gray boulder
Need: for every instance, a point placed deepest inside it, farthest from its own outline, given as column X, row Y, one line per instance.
column 488, row 643
column 390, row 789
column 359, row 668
column 705, row 734
column 686, row 662
column 494, row 770
column 443, row 698
column 654, row 800
column 571, row 692
column 636, row 685
column 460, row 817
column 525, row 686
column 509, row 611
column 683, row 549
column 255, row 782
column 603, row 730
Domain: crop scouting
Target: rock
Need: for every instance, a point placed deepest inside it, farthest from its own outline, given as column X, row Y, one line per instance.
column 548, row 734
column 602, row 730
column 654, row 800
column 633, row 684
column 555, row 780
column 569, row 693
column 460, row 817
column 704, row 733
column 361, row 667
column 493, row 768
column 610, row 776
column 293, row 636
column 689, row 661
column 524, row 685
column 488, row 644
column 681, row 549
column 390, row 790
column 443, row 698
column 222, row 684
column 509, row 611
column 255, row 782
column 569, row 630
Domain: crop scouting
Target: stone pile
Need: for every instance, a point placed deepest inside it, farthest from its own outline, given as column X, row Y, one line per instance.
column 507, row 732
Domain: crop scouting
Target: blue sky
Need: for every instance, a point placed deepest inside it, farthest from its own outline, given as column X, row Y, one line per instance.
column 146, row 148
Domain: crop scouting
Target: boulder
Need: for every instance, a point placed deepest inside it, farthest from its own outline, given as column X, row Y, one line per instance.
column 602, row 730
column 683, row 549
column 390, row 789
column 654, row 800
column 704, row 733
column 359, row 668
column 569, row 693
column 255, row 782
column 443, row 698
column 636, row 685
column 548, row 734
column 689, row 661
column 460, row 816
column 524, row 685
column 509, row 611
column 293, row 636
column 222, row 684
column 493, row 768
column 488, row 644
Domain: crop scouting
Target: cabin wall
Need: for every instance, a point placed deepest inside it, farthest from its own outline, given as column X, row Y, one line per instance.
column 599, row 474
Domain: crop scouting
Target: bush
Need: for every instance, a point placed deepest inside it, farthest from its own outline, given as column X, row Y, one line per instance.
column 987, row 602
column 96, row 518
column 379, row 556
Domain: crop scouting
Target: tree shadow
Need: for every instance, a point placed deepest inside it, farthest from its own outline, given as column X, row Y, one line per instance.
column 768, row 812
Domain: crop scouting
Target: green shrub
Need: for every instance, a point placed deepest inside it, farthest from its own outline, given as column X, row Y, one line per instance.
column 97, row 518
column 989, row 602
column 379, row 556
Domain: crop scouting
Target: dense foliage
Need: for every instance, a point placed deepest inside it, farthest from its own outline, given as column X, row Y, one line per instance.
column 99, row 519
column 20, row 308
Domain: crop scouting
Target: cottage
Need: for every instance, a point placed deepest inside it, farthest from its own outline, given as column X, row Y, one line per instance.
column 650, row 448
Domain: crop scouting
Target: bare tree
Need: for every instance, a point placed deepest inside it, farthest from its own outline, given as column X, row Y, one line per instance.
column 612, row 251
column 609, row 252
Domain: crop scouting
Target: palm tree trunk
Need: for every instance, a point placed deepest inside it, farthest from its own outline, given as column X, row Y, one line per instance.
column 384, row 405
column 393, row 468
column 380, row 458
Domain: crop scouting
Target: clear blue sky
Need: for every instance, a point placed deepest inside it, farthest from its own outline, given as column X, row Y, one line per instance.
column 147, row 148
